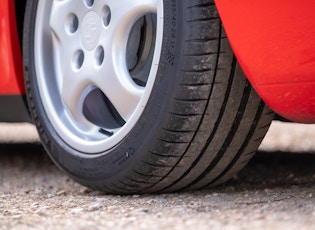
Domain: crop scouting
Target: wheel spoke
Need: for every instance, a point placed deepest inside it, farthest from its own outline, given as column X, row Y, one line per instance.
column 58, row 17
column 72, row 93
column 65, row 19
column 114, row 79
column 119, row 88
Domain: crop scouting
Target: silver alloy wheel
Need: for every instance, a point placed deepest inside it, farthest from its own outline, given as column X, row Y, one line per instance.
column 96, row 64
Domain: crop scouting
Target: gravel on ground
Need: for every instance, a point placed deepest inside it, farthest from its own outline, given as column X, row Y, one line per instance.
column 275, row 191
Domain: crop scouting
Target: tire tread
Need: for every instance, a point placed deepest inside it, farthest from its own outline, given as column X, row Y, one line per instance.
column 204, row 89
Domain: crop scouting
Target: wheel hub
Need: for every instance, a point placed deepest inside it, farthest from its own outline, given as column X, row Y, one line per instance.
column 91, row 30
column 97, row 64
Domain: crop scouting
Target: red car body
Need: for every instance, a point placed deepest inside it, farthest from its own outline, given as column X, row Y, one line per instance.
column 11, row 81
column 274, row 42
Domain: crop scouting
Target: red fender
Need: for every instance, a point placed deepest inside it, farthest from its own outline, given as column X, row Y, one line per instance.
column 274, row 42
column 11, row 78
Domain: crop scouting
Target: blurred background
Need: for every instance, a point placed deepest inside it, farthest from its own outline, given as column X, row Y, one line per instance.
column 289, row 137
column 282, row 136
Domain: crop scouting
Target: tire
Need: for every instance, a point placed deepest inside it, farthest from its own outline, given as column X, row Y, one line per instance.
column 149, row 102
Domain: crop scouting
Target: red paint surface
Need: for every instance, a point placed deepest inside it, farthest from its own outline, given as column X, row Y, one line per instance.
column 274, row 42
column 11, row 68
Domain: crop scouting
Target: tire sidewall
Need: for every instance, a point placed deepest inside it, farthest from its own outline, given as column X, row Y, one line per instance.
column 133, row 149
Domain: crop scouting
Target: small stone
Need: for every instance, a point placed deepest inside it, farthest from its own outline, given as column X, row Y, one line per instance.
column 61, row 192
column 85, row 191
column 34, row 204
column 41, row 211
column 95, row 207
column 143, row 210
column 16, row 216
column 50, row 195
column 76, row 210
column 268, row 191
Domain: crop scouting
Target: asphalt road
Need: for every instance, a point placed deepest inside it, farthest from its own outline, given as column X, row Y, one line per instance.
column 275, row 191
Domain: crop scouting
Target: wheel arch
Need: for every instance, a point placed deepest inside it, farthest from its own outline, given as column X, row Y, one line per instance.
column 273, row 42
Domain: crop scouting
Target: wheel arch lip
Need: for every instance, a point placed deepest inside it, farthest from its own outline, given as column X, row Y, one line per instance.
column 274, row 42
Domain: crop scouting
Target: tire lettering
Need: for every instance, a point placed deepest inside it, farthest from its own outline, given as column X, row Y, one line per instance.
column 125, row 157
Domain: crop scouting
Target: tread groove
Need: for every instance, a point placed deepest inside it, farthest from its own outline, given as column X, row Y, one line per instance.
column 180, row 178
column 228, row 140
column 245, row 143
